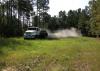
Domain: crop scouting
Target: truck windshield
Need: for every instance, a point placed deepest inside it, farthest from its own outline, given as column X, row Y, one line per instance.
column 32, row 28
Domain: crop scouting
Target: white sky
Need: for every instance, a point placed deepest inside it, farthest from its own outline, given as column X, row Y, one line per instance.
column 58, row 5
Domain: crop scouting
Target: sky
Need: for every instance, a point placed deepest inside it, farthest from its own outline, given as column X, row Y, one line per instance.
column 58, row 5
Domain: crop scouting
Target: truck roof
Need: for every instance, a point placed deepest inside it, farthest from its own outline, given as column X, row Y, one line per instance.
column 31, row 31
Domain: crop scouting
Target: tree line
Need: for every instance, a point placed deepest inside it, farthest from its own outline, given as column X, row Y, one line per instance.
column 11, row 13
column 17, row 15
column 87, row 20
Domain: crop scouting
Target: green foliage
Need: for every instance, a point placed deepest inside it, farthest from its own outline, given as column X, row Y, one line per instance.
column 42, row 4
column 42, row 8
column 35, row 21
column 62, row 20
column 83, row 23
column 53, row 24
column 73, row 18
column 10, row 27
column 95, row 17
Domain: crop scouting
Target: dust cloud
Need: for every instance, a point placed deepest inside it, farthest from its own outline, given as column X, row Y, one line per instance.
column 73, row 32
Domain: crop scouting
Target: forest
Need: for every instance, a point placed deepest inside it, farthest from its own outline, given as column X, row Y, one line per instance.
column 17, row 15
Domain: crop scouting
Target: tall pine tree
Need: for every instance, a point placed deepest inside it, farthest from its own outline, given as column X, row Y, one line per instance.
column 95, row 17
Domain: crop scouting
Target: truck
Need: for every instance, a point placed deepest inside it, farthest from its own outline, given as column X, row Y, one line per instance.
column 35, row 32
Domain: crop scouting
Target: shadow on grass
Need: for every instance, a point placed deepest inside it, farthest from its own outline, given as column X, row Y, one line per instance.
column 48, row 38
column 9, row 41
column 10, row 44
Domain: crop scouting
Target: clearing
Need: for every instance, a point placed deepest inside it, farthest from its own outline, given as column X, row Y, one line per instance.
column 68, row 54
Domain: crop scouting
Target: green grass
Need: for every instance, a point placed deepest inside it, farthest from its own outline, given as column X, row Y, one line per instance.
column 69, row 54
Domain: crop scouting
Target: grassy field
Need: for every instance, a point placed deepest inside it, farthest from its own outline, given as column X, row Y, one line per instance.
column 68, row 54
